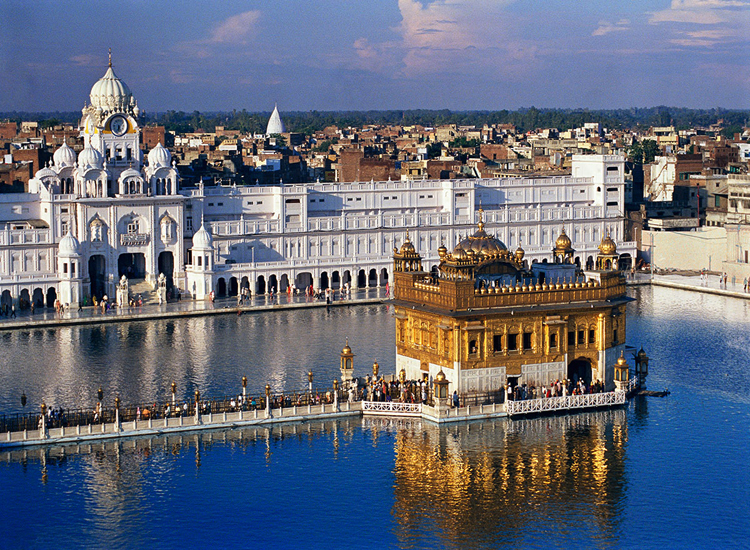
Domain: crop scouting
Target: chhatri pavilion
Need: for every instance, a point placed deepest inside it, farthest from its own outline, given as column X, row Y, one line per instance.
column 486, row 318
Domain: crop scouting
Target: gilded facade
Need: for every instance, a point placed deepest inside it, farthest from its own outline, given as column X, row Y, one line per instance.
column 487, row 318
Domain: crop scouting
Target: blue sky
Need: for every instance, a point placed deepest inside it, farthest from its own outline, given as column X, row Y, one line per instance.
column 394, row 54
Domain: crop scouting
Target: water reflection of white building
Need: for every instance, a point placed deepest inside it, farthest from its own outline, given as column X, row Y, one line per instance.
column 107, row 212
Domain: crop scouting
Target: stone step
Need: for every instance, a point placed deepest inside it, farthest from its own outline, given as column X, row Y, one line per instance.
column 144, row 288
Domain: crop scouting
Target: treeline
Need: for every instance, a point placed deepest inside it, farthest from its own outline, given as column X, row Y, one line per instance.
column 525, row 119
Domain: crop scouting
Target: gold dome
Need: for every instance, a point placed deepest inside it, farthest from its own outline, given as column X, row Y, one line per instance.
column 442, row 251
column 407, row 246
column 621, row 361
column 347, row 350
column 439, row 377
column 563, row 242
column 479, row 244
column 608, row 246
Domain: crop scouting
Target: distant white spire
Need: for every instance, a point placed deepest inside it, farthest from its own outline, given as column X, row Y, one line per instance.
column 275, row 124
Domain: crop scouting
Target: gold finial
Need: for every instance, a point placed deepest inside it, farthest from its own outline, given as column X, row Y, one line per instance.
column 110, row 57
column 407, row 236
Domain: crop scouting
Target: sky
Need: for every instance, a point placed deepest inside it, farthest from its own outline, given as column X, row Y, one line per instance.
column 386, row 54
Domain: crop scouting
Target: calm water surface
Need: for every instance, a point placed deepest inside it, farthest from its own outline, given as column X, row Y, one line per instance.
column 668, row 473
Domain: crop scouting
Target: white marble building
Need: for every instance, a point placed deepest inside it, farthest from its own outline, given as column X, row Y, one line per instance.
column 328, row 234
column 107, row 212
column 122, row 215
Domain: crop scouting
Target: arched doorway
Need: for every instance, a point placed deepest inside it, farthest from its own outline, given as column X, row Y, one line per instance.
column 245, row 282
column 284, row 283
column 373, row 279
column 24, row 300
column 435, row 272
column 166, row 266
column 323, row 280
column 132, row 265
column 273, row 284
column 260, row 285
column 303, row 280
column 97, row 276
column 580, row 369
column 347, row 278
column 6, row 299
column 38, row 297
column 383, row 277
column 625, row 262
column 590, row 263
column 233, row 286
column 361, row 278
column 221, row 288
column 51, row 296
column 335, row 280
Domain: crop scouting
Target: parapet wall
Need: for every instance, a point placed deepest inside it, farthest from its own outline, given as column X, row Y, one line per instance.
column 457, row 295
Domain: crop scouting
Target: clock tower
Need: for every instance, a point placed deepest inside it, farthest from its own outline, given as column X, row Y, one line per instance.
column 110, row 125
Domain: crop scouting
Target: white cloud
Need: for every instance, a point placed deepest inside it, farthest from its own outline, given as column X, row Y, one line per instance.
column 236, row 29
column 88, row 60
column 705, row 23
column 450, row 37
column 605, row 27
column 699, row 12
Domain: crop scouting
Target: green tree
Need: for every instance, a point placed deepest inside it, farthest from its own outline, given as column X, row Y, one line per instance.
column 650, row 150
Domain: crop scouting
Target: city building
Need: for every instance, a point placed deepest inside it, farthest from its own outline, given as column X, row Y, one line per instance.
column 128, row 215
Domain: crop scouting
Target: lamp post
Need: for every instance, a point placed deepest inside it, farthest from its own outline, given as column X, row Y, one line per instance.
column 244, row 388
column 335, row 394
column 43, row 422
column 117, row 413
column 174, row 390
column 310, row 381
column 197, row 406
column 100, row 393
column 268, row 401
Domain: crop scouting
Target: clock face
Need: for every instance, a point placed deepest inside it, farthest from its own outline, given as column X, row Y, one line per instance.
column 118, row 125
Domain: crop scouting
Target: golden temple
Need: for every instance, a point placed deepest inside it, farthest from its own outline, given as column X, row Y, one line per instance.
column 487, row 318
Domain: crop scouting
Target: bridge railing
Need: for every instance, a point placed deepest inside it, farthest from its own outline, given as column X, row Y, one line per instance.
column 159, row 409
column 551, row 404
column 394, row 408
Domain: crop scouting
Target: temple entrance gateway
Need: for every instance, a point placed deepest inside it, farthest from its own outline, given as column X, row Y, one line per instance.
column 580, row 369
column 132, row 265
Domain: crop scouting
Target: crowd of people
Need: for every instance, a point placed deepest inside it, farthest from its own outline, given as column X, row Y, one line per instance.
column 410, row 391
column 558, row 388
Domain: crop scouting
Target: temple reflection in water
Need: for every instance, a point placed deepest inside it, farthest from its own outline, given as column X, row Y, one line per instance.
column 487, row 481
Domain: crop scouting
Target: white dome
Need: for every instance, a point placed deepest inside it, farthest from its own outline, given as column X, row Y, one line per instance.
column 69, row 246
column 45, row 172
column 275, row 124
column 64, row 156
column 130, row 173
column 202, row 240
column 159, row 157
column 109, row 93
column 90, row 158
